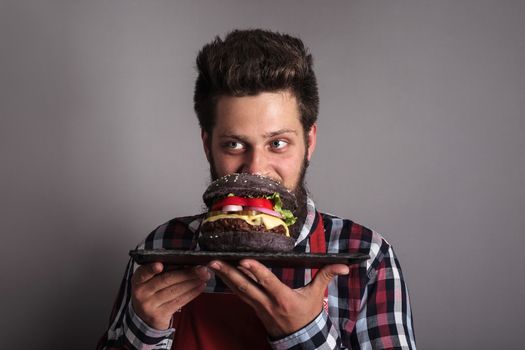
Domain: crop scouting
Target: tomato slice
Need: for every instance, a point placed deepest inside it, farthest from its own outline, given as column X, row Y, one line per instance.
column 260, row 202
column 233, row 200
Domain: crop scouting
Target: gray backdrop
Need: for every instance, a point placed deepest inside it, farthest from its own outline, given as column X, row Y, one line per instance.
column 421, row 137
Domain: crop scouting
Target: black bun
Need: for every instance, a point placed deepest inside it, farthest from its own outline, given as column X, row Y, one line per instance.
column 245, row 242
column 248, row 185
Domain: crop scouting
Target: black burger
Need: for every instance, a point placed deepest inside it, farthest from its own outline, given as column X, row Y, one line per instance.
column 247, row 213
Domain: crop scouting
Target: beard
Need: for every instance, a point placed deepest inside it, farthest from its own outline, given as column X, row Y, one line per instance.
column 300, row 191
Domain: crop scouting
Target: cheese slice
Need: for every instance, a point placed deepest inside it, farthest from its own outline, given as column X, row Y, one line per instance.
column 259, row 219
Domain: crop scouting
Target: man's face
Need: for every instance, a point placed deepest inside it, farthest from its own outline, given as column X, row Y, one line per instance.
column 260, row 134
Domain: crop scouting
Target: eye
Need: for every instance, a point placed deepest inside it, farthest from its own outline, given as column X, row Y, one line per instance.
column 233, row 145
column 278, row 144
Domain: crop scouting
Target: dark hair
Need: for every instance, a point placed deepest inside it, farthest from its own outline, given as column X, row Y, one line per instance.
column 248, row 62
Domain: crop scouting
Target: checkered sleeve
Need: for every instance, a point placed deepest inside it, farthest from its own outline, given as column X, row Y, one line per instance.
column 318, row 334
column 126, row 329
column 385, row 318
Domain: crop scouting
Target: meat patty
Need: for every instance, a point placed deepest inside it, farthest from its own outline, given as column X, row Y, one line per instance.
column 232, row 224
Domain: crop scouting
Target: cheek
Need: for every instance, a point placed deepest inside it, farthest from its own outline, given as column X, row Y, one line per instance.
column 289, row 169
column 223, row 164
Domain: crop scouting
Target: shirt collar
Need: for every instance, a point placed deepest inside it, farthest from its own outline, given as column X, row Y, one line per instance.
column 308, row 225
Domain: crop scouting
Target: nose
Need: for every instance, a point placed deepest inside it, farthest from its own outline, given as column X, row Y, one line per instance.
column 255, row 163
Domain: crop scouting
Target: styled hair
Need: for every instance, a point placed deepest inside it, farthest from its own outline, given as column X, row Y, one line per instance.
column 248, row 62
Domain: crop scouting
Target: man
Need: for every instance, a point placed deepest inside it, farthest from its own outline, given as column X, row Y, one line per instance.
column 257, row 102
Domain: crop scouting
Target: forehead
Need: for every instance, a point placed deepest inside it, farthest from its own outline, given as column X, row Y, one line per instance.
column 261, row 112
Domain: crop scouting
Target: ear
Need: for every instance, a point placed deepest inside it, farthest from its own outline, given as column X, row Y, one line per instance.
column 312, row 138
column 206, row 140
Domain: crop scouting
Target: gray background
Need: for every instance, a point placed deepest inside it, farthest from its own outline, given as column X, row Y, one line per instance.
column 421, row 137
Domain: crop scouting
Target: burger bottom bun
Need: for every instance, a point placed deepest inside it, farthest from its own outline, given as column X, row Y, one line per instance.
column 242, row 241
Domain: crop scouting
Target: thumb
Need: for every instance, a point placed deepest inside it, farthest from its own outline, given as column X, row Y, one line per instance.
column 326, row 274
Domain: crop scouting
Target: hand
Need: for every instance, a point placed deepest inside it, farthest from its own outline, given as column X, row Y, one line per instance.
column 157, row 295
column 282, row 310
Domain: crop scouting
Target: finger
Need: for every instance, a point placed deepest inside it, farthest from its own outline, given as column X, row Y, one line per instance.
column 325, row 275
column 239, row 284
column 173, row 277
column 248, row 273
column 176, row 292
column 202, row 272
column 266, row 279
column 146, row 272
column 173, row 305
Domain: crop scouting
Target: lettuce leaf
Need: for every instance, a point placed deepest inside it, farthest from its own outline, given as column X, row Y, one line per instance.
column 288, row 217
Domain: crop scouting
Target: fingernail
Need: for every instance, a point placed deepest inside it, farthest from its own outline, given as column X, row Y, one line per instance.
column 158, row 267
column 215, row 266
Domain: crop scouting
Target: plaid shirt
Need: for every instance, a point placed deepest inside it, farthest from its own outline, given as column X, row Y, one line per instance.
column 367, row 309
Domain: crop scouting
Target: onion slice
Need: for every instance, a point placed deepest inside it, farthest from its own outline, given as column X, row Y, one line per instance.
column 232, row 207
column 265, row 211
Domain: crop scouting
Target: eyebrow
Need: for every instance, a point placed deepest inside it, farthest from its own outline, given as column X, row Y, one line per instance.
column 279, row 132
column 266, row 136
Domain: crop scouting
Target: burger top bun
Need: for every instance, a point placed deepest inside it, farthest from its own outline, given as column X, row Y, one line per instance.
column 248, row 185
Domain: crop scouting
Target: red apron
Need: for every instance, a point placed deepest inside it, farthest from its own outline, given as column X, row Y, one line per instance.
column 218, row 321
